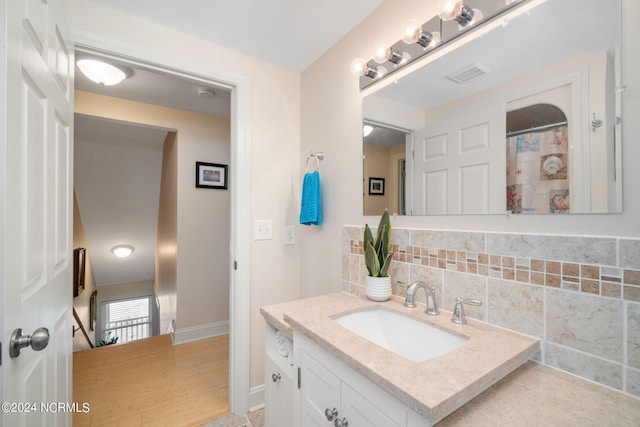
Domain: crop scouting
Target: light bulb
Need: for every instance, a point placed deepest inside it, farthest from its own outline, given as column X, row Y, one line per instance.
column 411, row 32
column 382, row 53
column 449, row 9
column 361, row 68
column 366, row 130
column 358, row 66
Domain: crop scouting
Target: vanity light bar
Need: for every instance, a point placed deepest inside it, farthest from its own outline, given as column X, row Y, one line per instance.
column 420, row 40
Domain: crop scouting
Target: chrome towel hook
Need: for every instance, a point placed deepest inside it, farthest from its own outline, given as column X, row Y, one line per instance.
column 318, row 157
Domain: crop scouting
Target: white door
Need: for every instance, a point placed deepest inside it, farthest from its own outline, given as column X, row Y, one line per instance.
column 36, row 257
column 459, row 163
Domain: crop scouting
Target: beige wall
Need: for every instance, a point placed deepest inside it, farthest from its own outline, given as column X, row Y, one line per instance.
column 202, row 255
column 166, row 266
column 124, row 290
column 331, row 122
column 81, row 302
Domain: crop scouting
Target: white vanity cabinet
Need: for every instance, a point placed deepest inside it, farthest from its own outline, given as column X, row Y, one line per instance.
column 279, row 383
column 330, row 390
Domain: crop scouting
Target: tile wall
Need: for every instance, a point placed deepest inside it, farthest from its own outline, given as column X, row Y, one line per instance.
column 579, row 295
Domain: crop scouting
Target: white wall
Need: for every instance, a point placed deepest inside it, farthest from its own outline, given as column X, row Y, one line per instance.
column 275, row 151
column 331, row 122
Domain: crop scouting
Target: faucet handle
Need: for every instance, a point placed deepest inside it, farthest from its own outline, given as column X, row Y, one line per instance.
column 468, row 301
column 458, row 311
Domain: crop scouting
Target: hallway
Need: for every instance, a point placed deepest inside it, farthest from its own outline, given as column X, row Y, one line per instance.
column 152, row 382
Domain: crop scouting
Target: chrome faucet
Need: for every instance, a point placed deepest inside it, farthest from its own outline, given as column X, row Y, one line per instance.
column 410, row 300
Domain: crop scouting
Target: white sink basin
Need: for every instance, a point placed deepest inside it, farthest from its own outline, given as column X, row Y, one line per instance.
column 403, row 335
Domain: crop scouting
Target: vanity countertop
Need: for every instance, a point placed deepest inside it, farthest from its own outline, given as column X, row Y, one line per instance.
column 532, row 394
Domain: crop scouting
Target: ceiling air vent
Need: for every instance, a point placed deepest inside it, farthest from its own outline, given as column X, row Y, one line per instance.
column 467, row 74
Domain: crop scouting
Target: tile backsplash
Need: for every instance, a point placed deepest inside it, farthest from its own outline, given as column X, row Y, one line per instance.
column 579, row 295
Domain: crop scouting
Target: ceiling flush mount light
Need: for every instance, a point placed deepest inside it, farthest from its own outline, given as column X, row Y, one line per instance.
column 456, row 10
column 102, row 73
column 366, row 130
column 414, row 33
column 122, row 251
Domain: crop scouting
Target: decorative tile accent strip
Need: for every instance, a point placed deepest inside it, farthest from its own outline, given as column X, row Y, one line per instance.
column 578, row 277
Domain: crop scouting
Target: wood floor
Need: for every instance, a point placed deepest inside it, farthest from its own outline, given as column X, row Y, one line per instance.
column 151, row 382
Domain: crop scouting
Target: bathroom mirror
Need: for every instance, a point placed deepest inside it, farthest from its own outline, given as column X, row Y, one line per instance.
column 522, row 116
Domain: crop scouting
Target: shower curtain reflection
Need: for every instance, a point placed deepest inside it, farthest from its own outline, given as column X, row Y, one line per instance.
column 538, row 172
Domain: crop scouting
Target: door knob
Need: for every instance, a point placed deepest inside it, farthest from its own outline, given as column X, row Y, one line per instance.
column 38, row 341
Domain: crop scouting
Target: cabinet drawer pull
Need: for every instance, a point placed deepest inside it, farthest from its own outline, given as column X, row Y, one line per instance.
column 275, row 377
column 341, row 423
column 331, row 414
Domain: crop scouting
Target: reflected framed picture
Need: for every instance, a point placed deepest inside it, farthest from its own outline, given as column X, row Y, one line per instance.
column 79, row 256
column 376, row 186
column 211, row 175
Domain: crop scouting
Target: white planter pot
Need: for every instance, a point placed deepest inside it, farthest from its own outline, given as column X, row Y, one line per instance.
column 377, row 288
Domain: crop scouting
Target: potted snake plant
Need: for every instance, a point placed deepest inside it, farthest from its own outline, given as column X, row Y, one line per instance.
column 377, row 259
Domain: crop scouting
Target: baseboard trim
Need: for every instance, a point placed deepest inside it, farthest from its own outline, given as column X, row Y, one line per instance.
column 256, row 398
column 195, row 333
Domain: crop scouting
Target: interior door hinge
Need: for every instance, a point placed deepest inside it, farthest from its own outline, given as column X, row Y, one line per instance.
column 235, row 264
column 299, row 378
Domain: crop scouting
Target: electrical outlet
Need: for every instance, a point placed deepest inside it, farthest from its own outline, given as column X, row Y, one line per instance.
column 290, row 235
column 262, row 229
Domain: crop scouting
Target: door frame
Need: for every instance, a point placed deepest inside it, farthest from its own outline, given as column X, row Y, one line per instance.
column 240, row 260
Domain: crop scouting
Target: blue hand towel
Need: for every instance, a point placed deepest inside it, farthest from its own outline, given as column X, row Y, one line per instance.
column 311, row 207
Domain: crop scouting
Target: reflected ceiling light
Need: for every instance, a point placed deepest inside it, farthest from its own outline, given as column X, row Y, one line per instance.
column 122, row 251
column 366, row 130
column 385, row 53
column 456, row 10
column 413, row 33
column 102, row 73
column 359, row 67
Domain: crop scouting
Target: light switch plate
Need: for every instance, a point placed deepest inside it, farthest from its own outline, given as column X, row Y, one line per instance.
column 262, row 229
column 290, row 235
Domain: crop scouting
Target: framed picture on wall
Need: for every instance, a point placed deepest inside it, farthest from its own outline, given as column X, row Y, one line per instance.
column 211, row 175
column 376, row 186
column 79, row 255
